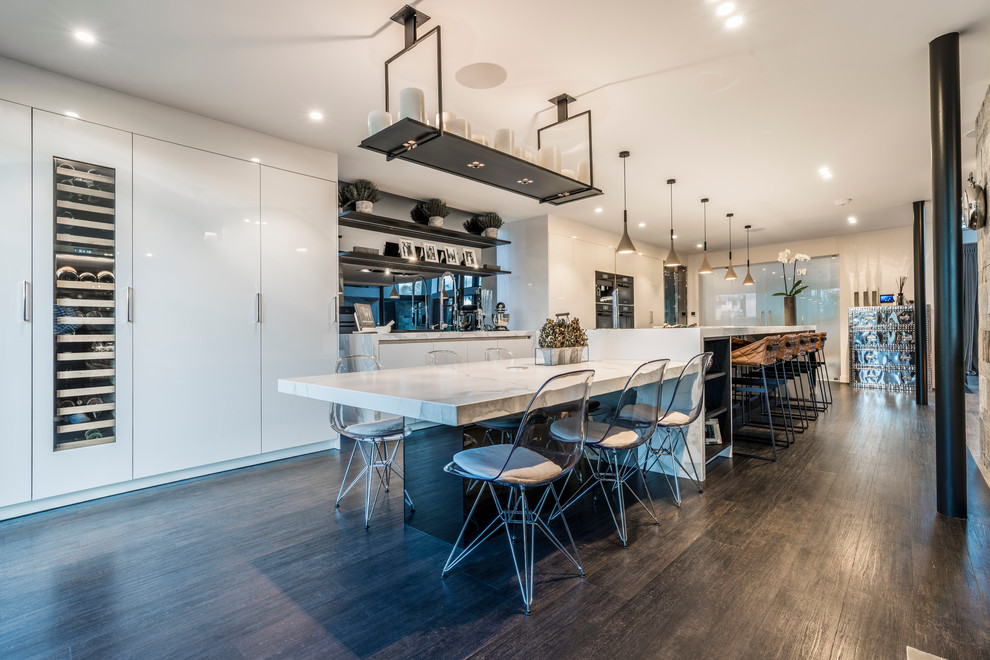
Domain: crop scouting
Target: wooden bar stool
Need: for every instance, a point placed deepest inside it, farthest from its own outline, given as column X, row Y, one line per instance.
column 750, row 363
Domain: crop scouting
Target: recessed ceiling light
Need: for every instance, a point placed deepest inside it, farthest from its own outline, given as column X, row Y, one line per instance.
column 851, row 219
column 673, row 235
column 642, row 224
column 825, row 172
column 148, row 254
column 599, row 210
column 573, row 236
column 70, row 113
column 85, row 37
column 481, row 75
column 255, row 159
column 316, row 115
column 725, row 9
column 734, row 22
column 365, row 270
column 700, row 245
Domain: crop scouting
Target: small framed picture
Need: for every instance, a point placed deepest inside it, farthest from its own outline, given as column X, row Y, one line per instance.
column 406, row 249
column 713, row 433
column 430, row 253
column 470, row 258
column 451, row 253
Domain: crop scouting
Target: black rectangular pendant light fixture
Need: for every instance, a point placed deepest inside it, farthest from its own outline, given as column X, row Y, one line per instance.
column 432, row 146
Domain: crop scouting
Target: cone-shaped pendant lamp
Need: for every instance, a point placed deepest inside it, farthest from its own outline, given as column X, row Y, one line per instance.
column 706, row 268
column 394, row 293
column 730, row 273
column 625, row 243
column 748, row 280
column 672, row 260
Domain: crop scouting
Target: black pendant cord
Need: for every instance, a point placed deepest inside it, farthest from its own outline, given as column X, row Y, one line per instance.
column 671, row 182
column 625, row 206
column 730, row 240
column 705, row 203
column 747, row 249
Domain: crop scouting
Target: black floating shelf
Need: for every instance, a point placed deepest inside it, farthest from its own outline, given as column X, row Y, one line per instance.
column 416, row 142
column 412, row 267
column 409, row 229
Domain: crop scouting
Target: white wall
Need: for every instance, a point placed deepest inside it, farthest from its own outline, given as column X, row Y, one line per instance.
column 867, row 261
column 525, row 291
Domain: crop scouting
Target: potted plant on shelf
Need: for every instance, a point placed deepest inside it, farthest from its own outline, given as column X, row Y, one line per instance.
column 435, row 211
column 362, row 194
column 486, row 224
column 794, row 287
column 562, row 342
column 418, row 214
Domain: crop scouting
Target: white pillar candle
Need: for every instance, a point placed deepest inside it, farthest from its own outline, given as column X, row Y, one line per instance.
column 447, row 116
column 412, row 105
column 378, row 120
column 460, row 127
column 550, row 158
column 519, row 152
column 584, row 172
column 568, row 173
column 530, row 156
column 505, row 140
column 480, row 139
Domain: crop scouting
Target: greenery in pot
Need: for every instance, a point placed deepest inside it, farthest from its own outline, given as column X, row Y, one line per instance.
column 562, row 334
column 358, row 193
column 478, row 224
column 436, row 210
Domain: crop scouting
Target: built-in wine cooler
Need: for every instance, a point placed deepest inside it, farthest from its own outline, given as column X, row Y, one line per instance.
column 84, row 293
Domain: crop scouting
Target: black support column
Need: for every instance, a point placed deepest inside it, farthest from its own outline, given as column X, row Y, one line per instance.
column 950, row 413
column 920, row 302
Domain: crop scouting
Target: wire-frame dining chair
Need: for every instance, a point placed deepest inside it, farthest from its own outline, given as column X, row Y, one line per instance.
column 530, row 464
column 611, row 449
column 681, row 410
column 377, row 438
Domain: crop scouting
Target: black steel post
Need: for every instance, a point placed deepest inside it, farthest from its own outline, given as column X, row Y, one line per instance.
column 950, row 412
column 920, row 304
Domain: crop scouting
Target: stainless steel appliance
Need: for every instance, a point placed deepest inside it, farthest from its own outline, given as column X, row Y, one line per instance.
column 614, row 300
column 500, row 318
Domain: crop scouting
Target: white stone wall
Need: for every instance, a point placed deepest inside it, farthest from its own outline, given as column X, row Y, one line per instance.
column 982, row 176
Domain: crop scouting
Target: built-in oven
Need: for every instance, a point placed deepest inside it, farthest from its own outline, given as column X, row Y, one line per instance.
column 614, row 300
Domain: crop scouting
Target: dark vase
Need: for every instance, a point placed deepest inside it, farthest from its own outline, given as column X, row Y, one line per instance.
column 900, row 298
column 790, row 310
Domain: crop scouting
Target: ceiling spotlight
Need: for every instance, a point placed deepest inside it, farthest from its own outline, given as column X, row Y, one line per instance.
column 255, row 159
column 851, row 219
column 85, row 37
column 734, row 22
column 316, row 115
column 599, row 210
column 642, row 224
column 825, row 172
column 70, row 113
column 700, row 245
column 523, row 181
column 725, row 9
column 674, row 236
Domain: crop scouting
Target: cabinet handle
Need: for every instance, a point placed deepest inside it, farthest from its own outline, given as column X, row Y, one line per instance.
column 26, row 302
column 334, row 310
column 257, row 303
column 130, row 305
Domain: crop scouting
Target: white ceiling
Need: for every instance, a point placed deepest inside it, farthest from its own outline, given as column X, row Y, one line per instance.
column 745, row 117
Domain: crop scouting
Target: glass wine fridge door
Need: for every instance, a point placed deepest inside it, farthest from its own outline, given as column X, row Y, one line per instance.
column 84, row 303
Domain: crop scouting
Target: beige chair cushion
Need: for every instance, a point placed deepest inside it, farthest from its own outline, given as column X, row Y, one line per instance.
column 381, row 428
column 525, row 465
column 674, row 418
column 566, row 430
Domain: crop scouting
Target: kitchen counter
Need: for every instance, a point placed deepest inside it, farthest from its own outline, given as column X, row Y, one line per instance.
column 744, row 330
column 409, row 349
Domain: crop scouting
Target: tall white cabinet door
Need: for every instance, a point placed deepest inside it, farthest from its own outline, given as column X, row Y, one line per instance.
column 15, row 307
column 197, row 339
column 299, row 302
column 80, row 465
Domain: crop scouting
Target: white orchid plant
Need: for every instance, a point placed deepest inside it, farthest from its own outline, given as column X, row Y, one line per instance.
column 795, row 286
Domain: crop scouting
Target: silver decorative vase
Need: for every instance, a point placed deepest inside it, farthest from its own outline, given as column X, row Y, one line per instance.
column 491, row 232
column 790, row 310
column 436, row 221
column 555, row 356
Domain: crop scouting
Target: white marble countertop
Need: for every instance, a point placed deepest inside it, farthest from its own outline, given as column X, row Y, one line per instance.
column 436, row 335
column 740, row 330
column 456, row 394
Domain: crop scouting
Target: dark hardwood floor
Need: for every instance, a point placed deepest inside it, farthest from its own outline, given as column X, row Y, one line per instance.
column 833, row 551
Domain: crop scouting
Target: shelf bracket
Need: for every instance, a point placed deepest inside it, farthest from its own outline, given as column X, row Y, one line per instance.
column 410, row 19
column 561, row 103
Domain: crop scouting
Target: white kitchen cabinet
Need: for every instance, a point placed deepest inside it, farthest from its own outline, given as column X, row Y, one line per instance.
column 197, row 336
column 476, row 349
column 520, row 347
column 563, row 281
column 299, row 302
column 588, row 258
column 457, row 346
column 15, row 304
column 648, row 291
column 395, row 355
column 80, row 465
